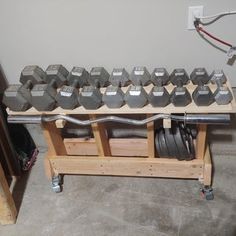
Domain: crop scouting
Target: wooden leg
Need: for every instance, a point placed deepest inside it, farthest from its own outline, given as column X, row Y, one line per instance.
column 8, row 210
column 201, row 141
column 101, row 138
column 55, row 146
column 207, row 172
column 151, row 138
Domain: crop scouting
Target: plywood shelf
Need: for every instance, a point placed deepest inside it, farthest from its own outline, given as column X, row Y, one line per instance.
column 148, row 109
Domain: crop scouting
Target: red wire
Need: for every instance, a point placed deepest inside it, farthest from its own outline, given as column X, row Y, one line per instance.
column 213, row 37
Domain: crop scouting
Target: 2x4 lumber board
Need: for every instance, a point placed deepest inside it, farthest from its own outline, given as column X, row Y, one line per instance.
column 130, row 147
column 8, row 210
column 148, row 109
column 55, row 146
column 118, row 147
column 53, row 139
column 99, row 133
column 60, row 124
column 81, row 146
column 201, row 141
column 124, row 166
column 151, row 138
column 207, row 171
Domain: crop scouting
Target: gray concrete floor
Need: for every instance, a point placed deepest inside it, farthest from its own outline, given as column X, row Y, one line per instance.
column 91, row 205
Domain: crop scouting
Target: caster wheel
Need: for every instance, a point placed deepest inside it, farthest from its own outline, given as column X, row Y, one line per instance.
column 207, row 192
column 57, row 188
column 57, row 183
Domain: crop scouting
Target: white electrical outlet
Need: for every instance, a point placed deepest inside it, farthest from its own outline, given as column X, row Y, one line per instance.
column 194, row 11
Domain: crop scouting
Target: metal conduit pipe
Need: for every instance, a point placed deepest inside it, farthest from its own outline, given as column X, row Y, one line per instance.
column 186, row 118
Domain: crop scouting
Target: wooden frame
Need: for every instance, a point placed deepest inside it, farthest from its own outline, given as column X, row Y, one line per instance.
column 8, row 167
column 101, row 156
column 8, row 210
column 70, row 159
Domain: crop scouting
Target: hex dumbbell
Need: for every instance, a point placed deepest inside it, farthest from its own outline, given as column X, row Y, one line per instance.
column 180, row 96
column 113, row 97
column 98, row 77
column 140, row 76
column 119, row 77
column 202, row 95
column 90, row 97
column 159, row 96
column 44, row 95
column 136, row 96
column 17, row 97
column 222, row 94
column 68, row 96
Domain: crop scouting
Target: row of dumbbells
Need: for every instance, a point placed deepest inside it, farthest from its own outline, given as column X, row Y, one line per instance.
column 39, row 88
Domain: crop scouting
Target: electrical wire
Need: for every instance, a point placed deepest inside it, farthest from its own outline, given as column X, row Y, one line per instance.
column 203, row 31
column 213, row 18
column 219, row 15
column 200, row 29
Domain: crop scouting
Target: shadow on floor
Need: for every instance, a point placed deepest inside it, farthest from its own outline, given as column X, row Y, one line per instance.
column 19, row 189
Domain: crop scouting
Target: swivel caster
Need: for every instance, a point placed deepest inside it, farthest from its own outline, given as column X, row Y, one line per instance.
column 57, row 182
column 207, row 192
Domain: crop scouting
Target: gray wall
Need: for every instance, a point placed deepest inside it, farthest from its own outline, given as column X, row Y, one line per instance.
column 109, row 33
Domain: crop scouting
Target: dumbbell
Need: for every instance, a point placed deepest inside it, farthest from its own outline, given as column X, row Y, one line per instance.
column 222, row 94
column 68, row 96
column 90, row 97
column 119, row 77
column 98, row 77
column 180, row 96
column 140, row 76
column 159, row 96
column 17, row 97
column 114, row 96
column 202, row 95
column 136, row 96
column 44, row 95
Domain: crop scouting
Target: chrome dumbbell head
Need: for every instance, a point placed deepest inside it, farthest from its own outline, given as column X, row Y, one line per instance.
column 119, row 77
column 222, row 95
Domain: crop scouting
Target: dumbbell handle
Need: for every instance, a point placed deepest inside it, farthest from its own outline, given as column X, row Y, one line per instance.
column 179, row 82
column 200, row 83
column 75, row 83
column 53, row 83
column 28, row 84
column 219, row 83
column 159, row 82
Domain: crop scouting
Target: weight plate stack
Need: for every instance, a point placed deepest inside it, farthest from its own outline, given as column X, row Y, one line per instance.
column 176, row 142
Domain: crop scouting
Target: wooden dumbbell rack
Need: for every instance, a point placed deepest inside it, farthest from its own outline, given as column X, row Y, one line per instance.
column 125, row 157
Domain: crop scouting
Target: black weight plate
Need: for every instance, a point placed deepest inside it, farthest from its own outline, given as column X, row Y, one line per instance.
column 171, row 145
column 181, row 145
column 191, row 147
column 186, row 139
column 186, row 134
column 158, row 148
column 162, row 143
